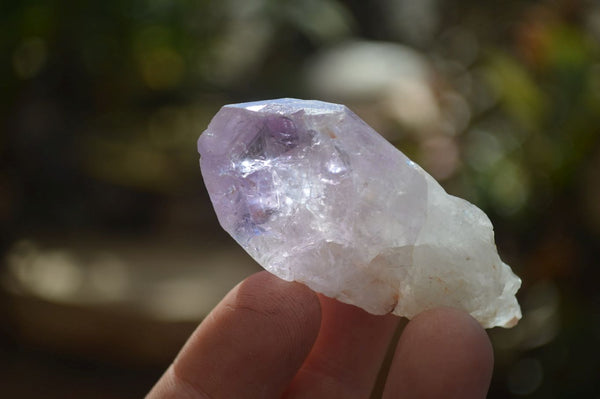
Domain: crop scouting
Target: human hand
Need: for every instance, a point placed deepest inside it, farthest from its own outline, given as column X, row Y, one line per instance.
column 269, row 338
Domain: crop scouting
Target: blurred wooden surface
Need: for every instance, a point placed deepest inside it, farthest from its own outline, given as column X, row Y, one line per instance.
column 61, row 334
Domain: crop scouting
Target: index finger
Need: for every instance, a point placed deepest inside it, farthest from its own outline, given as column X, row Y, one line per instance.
column 251, row 345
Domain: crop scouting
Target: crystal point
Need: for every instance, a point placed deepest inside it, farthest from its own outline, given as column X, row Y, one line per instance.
column 315, row 195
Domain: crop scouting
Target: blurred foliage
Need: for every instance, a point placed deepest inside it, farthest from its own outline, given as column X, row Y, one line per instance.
column 102, row 102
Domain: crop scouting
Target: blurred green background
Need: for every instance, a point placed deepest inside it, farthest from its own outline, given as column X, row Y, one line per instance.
column 111, row 252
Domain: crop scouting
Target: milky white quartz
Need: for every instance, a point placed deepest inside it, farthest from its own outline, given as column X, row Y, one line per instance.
column 315, row 195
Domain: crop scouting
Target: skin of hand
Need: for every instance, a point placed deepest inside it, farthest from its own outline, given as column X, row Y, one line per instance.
column 269, row 338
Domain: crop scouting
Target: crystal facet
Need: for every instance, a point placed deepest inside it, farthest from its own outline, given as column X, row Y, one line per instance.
column 315, row 195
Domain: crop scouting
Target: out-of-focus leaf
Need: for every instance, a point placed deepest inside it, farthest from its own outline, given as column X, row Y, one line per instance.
column 518, row 92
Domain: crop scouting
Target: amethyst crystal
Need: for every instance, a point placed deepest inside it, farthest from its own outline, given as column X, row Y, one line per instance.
column 315, row 195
